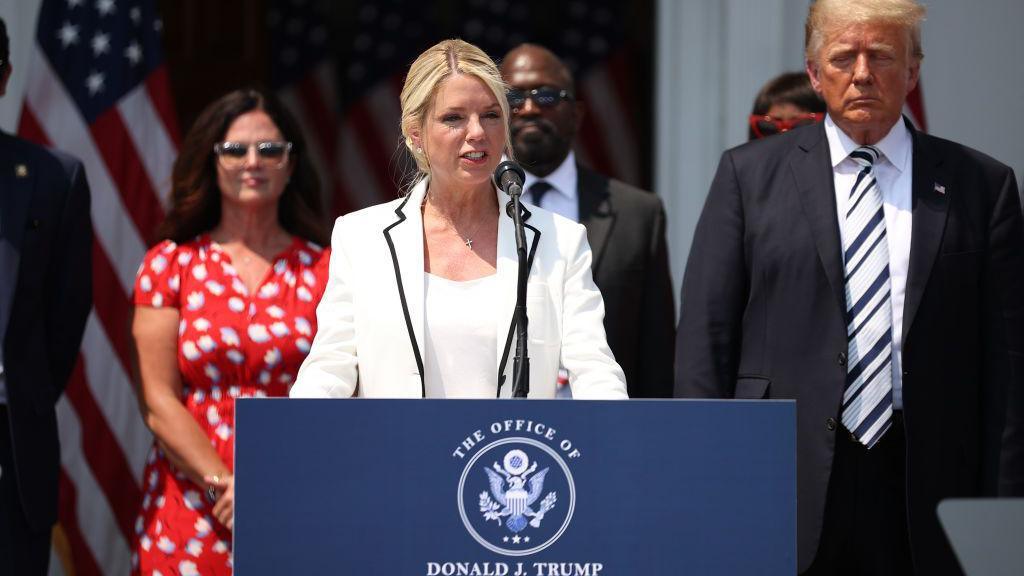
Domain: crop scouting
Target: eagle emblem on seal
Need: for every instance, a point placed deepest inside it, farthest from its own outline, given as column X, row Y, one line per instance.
column 516, row 486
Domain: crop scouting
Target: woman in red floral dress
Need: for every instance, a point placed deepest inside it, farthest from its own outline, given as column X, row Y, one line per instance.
column 225, row 307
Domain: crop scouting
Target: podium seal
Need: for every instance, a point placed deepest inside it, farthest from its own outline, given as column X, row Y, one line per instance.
column 516, row 496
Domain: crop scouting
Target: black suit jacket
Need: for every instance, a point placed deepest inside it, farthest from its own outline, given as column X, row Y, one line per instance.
column 764, row 317
column 626, row 232
column 44, row 211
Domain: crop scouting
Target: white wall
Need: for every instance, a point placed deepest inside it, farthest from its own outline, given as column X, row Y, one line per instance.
column 714, row 55
column 20, row 17
column 973, row 77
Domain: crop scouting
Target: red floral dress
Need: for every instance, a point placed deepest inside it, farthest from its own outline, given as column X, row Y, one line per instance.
column 231, row 344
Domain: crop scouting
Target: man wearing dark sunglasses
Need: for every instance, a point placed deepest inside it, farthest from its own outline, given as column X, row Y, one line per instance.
column 625, row 225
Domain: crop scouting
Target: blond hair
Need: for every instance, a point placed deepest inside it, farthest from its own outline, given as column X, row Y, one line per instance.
column 426, row 76
column 827, row 16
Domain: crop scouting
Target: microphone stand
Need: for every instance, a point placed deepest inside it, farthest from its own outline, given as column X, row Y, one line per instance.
column 521, row 361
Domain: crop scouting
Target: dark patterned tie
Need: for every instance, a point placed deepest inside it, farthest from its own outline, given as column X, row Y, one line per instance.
column 537, row 191
column 867, row 400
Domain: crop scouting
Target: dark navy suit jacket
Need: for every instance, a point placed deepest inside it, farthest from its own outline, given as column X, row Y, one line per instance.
column 46, row 236
column 764, row 316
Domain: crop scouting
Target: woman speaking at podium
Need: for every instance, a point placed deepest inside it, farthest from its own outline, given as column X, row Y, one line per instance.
column 422, row 289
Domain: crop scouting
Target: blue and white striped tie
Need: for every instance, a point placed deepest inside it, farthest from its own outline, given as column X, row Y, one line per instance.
column 867, row 400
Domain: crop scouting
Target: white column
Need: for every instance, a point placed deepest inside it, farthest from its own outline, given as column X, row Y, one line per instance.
column 21, row 18
column 713, row 57
column 972, row 79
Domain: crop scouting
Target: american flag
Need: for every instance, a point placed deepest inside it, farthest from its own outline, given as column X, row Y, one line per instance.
column 346, row 94
column 302, row 74
column 914, row 107
column 97, row 88
column 349, row 114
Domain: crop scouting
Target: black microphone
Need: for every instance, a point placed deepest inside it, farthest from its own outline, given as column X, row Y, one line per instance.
column 508, row 177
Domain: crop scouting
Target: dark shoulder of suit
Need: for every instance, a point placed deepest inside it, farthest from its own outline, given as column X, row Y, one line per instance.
column 626, row 230
column 47, row 163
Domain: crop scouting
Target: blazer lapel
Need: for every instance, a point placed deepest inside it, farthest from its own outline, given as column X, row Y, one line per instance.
column 405, row 240
column 508, row 275
column 930, row 208
column 812, row 170
column 596, row 211
column 17, row 177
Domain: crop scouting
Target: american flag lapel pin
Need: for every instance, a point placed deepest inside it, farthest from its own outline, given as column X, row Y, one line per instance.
column 21, row 171
column 940, row 188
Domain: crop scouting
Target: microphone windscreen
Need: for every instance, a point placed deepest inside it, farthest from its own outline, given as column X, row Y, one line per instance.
column 508, row 173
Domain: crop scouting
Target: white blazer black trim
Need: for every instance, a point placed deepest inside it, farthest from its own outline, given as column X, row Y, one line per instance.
column 401, row 294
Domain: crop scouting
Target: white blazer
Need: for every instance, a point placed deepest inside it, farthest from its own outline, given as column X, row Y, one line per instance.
column 369, row 339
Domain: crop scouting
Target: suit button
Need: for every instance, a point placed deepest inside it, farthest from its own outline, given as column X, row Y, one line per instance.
column 841, row 359
column 830, row 424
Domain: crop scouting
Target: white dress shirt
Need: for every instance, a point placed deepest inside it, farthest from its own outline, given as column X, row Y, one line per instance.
column 893, row 173
column 562, row 199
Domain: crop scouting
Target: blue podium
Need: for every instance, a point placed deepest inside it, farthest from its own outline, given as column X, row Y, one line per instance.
column 515, row 487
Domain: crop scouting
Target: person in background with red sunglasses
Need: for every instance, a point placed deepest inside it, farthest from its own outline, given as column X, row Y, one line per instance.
column 785, row 102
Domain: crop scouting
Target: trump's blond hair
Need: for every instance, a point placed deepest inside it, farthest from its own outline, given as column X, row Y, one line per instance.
column 828, row 16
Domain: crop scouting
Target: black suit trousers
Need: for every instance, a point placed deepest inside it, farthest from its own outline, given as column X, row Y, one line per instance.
column 22, row 550
column 865, row 526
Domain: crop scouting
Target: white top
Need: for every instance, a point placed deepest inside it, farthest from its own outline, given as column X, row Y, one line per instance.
column 562, row 199
column 893, row 172
column 460, row 353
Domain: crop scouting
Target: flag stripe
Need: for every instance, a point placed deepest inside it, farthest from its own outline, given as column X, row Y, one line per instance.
column 142, row 123
column 324, row 130
column 125, row 167
column 341, row 199
column 97, row 522
column 81, row 556
column 385, row 106
column 158, row 88
column 105, row 459
column 325, row 158
column 592, row 150
column 320, row 121
column 114, row 396
column 360, row 183
column 617, row 134
column 361, row 119
column 111, row 304
column 915, row 106
column 29, row 128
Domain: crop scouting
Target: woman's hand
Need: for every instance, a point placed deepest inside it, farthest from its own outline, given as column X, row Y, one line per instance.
column 223, row 489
